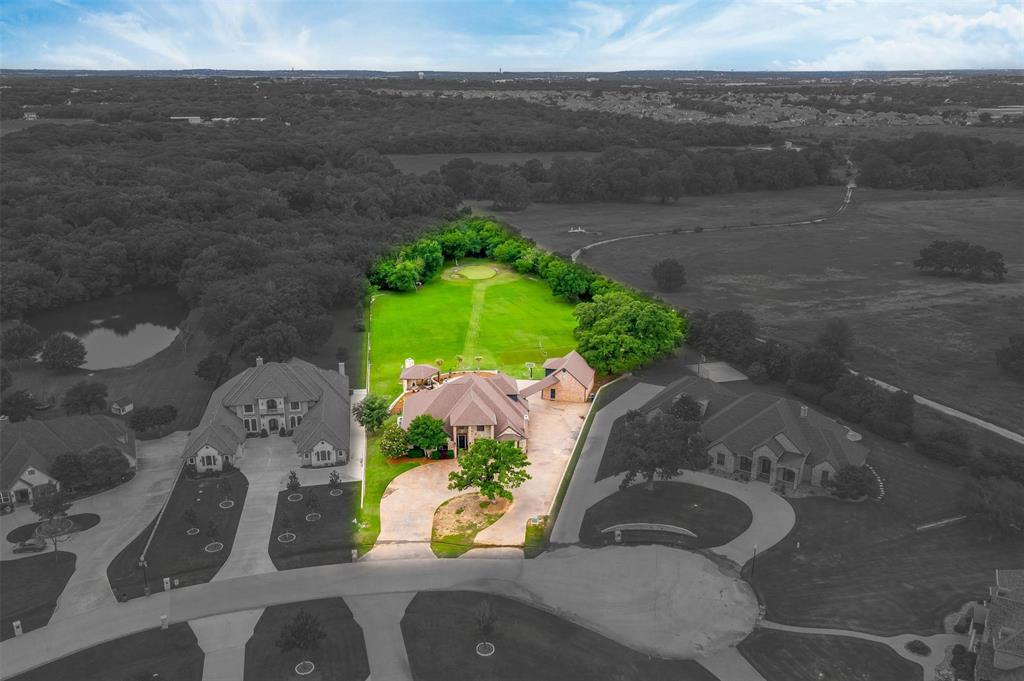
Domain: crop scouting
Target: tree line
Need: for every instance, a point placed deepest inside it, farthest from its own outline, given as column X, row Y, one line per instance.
column 961, row 258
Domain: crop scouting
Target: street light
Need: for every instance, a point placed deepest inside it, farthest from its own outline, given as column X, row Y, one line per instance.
column 143, row 563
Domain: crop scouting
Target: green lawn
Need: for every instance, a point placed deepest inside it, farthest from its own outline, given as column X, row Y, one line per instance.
column 340, row 657
column 785, row 656
column 29, row 588
column 507, row 320
column 323, row 542
column 172, row 654
column 380, row 471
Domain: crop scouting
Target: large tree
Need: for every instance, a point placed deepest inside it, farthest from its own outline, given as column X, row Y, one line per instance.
column 619, row 332
column 724, row 334
column 63, row 351
column 85, row 396
column 819, row 367
column 69, row 470
column 427, row 432
column 667, row 184
column 513, row 192
column 659, row 446
column 836, row 337
column 685, row 408
column 372, row 411
column 212, row 367
column 18, row 405
column 998, row 500
column 1010, row 358
column 668, row 275
column 104, row 466
column 493, row 467
column 18, row 341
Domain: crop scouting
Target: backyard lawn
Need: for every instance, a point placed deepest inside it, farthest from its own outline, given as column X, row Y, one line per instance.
column 715, row 518
column 330, row 539
column 340, row 657
column 507, row 320
column 172, row 654
column 441, row 632
column 785, row 656
column 173, row 552
column 29, row 588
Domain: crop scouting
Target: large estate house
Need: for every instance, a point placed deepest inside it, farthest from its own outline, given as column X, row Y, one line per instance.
column 296, row 397
column 566, row 379
column 1001, row 647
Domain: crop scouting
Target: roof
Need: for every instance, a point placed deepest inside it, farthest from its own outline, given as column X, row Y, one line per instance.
column 701, row 390
column 1010, row 579
column 572, row 364
column 757, row 419
column 471, row 400
column 37, row 444
column 123, row 402
column 1002, row 655
column 294, row 380
column 419, row 372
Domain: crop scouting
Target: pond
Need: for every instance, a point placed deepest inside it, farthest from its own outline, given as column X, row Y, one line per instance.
column 118, row 331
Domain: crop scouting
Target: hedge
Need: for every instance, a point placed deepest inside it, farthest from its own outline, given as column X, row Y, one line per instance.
column 891, row 430
column 806, row 391
column 837, row 404
column 952, row 453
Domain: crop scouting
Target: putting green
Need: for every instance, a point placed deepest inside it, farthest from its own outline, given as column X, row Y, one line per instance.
column 477, row 272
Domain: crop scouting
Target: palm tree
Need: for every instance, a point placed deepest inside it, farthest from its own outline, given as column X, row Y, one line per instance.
column 439, row 363
column 478, row 359
column 459, row 359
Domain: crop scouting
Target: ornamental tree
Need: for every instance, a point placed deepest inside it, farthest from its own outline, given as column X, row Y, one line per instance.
column 393, row 442
column 62, row 352
column 18, row 405
column 212, row 367
column 494, row 467
column 18, row 341
column 427, row 432
column 372, row 412
column 85, row 396
column 836, row 338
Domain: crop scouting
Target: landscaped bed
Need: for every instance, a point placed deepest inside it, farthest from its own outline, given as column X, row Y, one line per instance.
column 441, row 632
column 174, row 552
column 458, row 521
column 319, row 541
column 785, row 656
column 341, row 655
column 30, row 587
column 715, row 517
column 172, row 655
column 82, row 521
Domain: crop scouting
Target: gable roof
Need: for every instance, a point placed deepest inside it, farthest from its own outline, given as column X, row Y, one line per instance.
column 575, row 365
column 37, row 444
column 714, row 395
column 328, row 420
column 1002, row 655
column 419, row 372
column 123, row 402
column 470, row 400
column 272, row 379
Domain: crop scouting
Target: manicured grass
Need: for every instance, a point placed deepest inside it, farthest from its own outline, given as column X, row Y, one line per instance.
column 441, row 633
column 173, row 553
column 340, row 657
column 380, row 471
column 323, row 542
column 785, row 656
column 464, row 516
column 29, row 588
column 716, row 518
column 507, row 320
column 172, row 654
column 82, row 521
column 536, row 540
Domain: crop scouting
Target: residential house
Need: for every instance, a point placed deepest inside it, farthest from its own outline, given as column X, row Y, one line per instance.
column 712, row 397
column 415, row 376
column 473, row 406
column 29, row 448
column 122, row 406
column 275, row 397
column 1001, row 649
column 566, row 379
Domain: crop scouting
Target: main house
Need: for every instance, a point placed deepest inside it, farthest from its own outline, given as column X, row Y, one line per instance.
column 1001, row 648
column 473, row 406
column 566, row 379
column 275, row 397
column 29, row 448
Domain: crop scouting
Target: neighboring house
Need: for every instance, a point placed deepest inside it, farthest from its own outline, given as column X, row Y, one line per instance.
column 122, row 406
column 1001, row 649
column 418, row 375
column 31, row 116
column 778, row 440
column 712, row 397
column 29, row 448
column 473, row 406
column 274, row 397
column 566, row 379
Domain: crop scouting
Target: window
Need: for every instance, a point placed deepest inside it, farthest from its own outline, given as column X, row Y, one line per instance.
column 192, row 460
column 294, row 406
column 248, row 409
column 720, row 459
column 252, row 425
column 209, row 460
column 322, row 456
column 479, row 429
column 824, row 478
column 271, row 404
column 292, row 421
column 551, row 394
column 298, row 420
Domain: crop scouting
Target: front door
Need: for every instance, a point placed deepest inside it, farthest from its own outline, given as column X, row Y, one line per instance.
column 21, row 496
column 765, row 468
column 462, row 442
column 272, row 425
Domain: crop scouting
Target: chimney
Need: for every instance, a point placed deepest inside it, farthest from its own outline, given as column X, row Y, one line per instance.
column 341, row 368
column 259, row 361
column 803, row 411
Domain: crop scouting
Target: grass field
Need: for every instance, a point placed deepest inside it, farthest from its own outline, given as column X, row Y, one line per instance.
column 172, row 654
column 507, row 319
column 340, row 657
column 785, row 656
column 326, row 541
column 441, row 633
column 934, row 336
column 30, row 587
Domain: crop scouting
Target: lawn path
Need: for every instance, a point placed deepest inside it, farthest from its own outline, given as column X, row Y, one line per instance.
column 381, row 620
column 476, row 313
column 223, row 639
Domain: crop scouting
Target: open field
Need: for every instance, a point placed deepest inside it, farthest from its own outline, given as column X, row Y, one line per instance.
column 322, row 542
column 934, row 336
column 441, row 632
column 30, row 587
column 784, row 656
column 507, row 319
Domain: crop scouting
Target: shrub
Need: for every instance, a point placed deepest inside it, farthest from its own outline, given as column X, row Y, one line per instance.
column 851, row 482
column 806, row 391
column 918, row 647
column 415, row 453
column 839, row 405
column 890, row 430
column 293, row 482
column 758, row 374
column 961, row 626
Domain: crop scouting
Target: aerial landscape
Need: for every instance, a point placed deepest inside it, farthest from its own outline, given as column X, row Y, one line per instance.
column 429, row 341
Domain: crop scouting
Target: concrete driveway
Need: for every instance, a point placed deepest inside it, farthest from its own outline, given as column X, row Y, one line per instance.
column 124, row 512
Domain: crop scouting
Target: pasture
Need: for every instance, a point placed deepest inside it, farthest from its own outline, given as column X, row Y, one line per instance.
column 506, row 320
column 934, row 336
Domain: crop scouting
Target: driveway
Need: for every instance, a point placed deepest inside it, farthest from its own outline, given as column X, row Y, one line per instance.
column 124, row 512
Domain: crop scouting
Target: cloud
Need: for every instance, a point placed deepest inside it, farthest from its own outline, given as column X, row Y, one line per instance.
column 130, row 28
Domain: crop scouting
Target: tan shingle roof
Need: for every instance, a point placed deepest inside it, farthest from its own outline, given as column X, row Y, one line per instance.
column 419, row 372
column 573, row 364
column 470, row 400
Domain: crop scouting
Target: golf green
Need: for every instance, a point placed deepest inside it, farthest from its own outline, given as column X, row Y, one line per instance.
column 477, row 272
column 503, row 322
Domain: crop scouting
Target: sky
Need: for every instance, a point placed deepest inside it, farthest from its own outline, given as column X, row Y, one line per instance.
column 514, row 35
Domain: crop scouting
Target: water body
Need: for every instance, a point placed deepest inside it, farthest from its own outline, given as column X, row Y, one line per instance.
column 118, row 331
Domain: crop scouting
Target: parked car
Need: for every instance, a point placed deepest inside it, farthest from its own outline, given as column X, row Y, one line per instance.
column 31, row 545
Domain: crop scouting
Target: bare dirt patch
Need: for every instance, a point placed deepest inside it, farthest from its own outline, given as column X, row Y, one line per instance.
column 458, row 521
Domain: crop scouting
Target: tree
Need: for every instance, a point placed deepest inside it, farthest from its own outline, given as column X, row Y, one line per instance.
column 212, row 367
column 1011, row 357
column 84, row 396
column 104, row 466
column 819, row 367
column 998, row 500
column 18, row 405
column 276, row 342
column 293, row 482
column 54, row 524
column 313, row 503
column 667, row 184
column 669, row 275
column 148, row 418
column 494, row 467
column 660, row 446
column 372, row 411
column 334, row 480
column 62, row 352
column 393, row 442
column 304, row 633
column 486, row 618
column 723, row 334
column 18, row 341
column 836, row 338
column 685, row 408
column 69, row 470
column 5, row 379
column 427, row 432
column 851, row 482
column 513, row 192
column 619, row 332
column 224, row 487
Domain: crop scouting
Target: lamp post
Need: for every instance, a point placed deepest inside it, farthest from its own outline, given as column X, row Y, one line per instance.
column 143, row 563
column 753, row 564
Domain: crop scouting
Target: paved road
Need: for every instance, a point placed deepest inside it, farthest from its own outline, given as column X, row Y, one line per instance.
column 223, row 639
